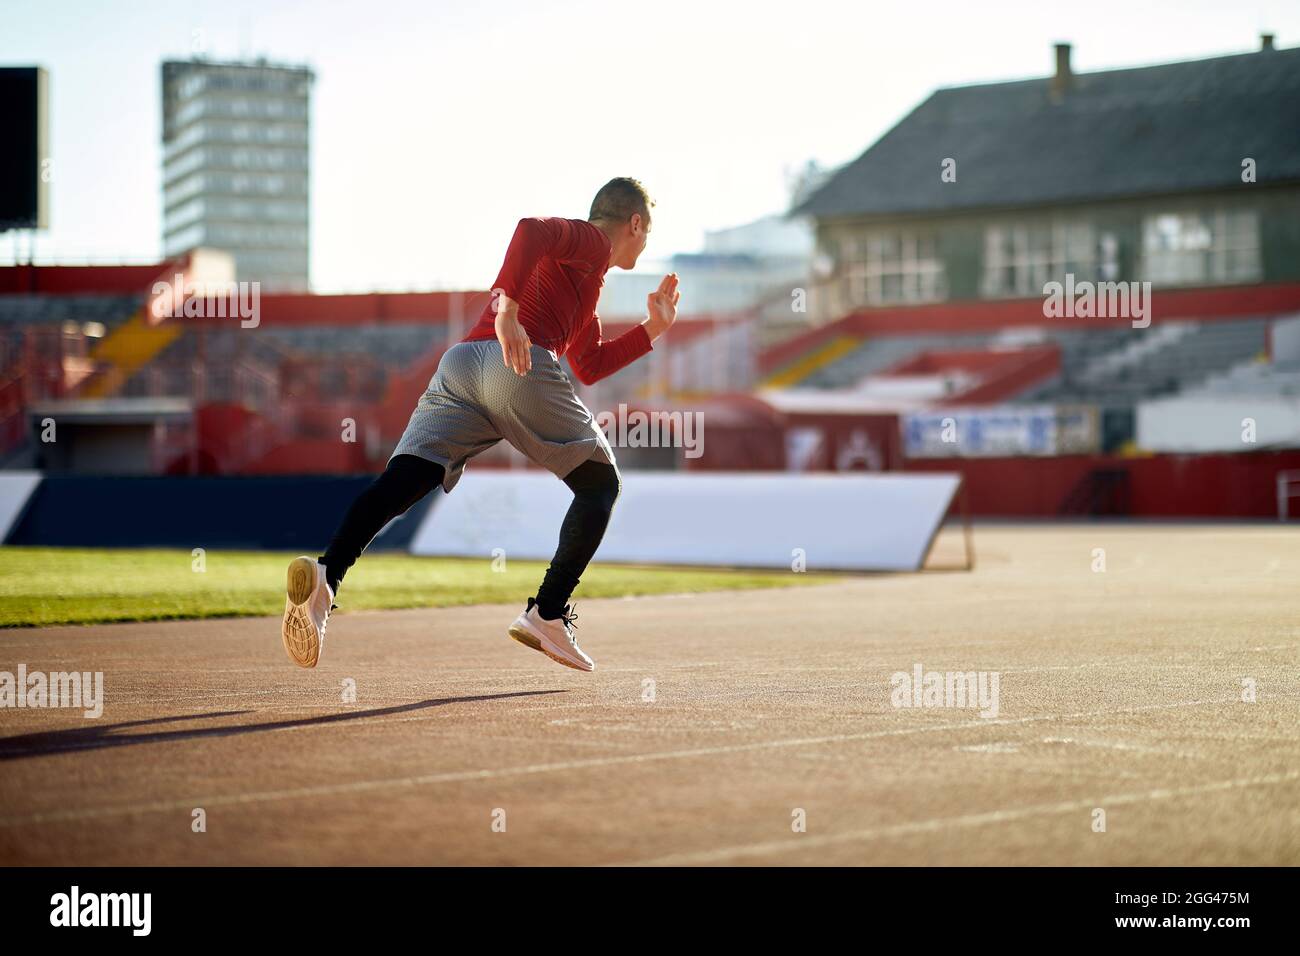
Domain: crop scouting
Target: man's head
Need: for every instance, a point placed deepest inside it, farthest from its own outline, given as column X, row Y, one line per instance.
column 622, row 211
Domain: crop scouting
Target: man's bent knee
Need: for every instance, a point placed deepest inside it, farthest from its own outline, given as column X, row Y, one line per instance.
column 596, row 481
column 407, row 479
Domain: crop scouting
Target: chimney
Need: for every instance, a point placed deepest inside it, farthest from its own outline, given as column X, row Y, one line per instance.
column 1265, row 41
column 1063, row 79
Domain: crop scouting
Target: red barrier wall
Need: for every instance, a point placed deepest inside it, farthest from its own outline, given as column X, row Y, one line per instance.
column 79, row 280
column 1162, row 486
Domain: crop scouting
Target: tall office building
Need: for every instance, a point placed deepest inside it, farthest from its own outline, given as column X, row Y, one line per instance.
column 236, row 166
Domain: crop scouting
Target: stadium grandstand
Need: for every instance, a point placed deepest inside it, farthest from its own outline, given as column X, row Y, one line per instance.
column 217, row 395
column 1180, row 180
column 924, row 341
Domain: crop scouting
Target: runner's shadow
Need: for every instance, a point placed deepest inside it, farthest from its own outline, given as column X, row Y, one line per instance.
column 94, row 738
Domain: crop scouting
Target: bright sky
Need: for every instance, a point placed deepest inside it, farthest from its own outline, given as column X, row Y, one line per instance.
column 436, row 125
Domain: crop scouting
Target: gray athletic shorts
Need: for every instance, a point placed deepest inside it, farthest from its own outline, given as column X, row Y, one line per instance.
column 474, row 400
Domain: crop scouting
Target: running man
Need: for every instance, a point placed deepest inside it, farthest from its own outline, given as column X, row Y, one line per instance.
column 504, row 380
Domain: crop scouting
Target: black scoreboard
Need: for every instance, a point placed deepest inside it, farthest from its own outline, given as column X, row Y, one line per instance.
column 24, row 158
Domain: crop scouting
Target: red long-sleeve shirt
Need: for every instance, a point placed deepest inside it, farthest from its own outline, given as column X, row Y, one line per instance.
column 555, row 269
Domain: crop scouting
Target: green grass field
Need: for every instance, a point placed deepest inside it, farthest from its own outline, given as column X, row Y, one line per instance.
column 43, row 586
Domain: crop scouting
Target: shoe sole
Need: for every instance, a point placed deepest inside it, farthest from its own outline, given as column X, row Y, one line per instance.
column 529, row 640
column 302, row 580
column 303, row 644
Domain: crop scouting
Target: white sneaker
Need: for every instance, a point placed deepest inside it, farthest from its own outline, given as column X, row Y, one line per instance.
column 553, row 638
column 307, row 609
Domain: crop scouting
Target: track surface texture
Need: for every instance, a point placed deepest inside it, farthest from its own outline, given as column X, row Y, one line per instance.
column 713, row 726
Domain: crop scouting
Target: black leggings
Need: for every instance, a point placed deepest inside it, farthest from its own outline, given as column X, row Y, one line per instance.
column 595, row 486
column 408, row 478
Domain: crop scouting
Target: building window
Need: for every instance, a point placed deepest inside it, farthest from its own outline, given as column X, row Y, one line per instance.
column 1201, row 248
column 188, row 238
column 892, row 268
column 1020, row 258
column 1108, row 257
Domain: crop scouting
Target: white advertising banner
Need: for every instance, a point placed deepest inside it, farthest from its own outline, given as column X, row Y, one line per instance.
column 863, row 522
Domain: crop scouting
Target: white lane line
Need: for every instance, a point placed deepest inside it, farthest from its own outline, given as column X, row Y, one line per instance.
column 310, row 720
column 1124, row 746
column 366, row 786
column 799, row 842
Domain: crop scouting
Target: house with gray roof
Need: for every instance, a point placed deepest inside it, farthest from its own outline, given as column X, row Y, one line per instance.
column 1184, row 175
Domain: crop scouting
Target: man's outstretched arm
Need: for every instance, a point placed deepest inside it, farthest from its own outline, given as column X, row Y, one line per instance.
column 593, row 358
